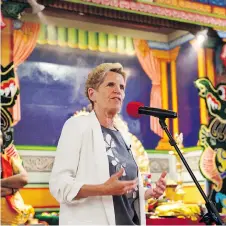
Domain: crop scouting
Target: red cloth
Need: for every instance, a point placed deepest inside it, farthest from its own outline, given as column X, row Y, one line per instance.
column 171, row 221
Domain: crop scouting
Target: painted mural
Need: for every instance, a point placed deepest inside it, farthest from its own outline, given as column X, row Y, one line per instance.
column 9, row 93
column 55, row 84
column 213, row 139
column 52, row 88
column 13, row 209
column 188, row 103
column 212, row 136
column 53, row 74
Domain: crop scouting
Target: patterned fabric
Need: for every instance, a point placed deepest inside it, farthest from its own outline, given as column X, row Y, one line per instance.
column 120, row 156
column 13, row 209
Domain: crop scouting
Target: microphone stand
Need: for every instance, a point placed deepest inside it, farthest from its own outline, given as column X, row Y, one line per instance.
column 212, row 216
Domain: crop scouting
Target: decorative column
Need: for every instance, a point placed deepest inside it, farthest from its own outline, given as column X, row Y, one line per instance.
column 173, row 68
column 210, row 65
column 164, row 142
column 201, row 74
column 165, row 57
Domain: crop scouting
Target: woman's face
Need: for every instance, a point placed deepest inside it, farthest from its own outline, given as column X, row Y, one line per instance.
column 110, row 94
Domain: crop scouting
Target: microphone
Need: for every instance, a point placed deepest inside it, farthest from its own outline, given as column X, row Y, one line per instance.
column 135, row 109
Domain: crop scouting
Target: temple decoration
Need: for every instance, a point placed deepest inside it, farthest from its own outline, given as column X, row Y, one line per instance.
column 210, row 67
column 179, row 191
column 9, row 93
column 184, row 11
column 173, row 57
column 174, row 206
column 165, row 57
column 13, row 10
column 13, row 55
column 151, row 67
column 201, row 74
column 14, row 52
column 212, row 138
column 179, row 210
column 83, row 39
column 13, row 209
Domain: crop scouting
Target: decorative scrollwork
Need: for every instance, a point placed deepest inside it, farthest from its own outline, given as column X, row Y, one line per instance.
column 38, row 163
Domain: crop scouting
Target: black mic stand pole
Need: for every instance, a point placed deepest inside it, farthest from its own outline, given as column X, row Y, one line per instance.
column 212, row 216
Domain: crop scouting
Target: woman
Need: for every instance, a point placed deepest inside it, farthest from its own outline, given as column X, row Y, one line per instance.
column 95, row 177
column 13, row 177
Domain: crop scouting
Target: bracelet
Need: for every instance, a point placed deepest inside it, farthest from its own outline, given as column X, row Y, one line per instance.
column 14, row 191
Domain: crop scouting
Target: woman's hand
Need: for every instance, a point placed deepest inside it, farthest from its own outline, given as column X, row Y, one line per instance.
column 15, row 181
column 7, row 191
column 114, row 186
column 159, row 188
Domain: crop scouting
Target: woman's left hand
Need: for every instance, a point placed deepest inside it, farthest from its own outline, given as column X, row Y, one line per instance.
column 159, row 188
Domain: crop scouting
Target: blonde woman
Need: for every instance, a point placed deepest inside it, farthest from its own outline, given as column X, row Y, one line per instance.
column 95, row 177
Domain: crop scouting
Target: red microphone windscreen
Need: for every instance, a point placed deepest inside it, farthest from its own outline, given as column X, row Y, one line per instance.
column 132, row 109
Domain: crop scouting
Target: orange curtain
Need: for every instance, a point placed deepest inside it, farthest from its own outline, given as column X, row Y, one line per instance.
column 151, row 67
column 24, row 42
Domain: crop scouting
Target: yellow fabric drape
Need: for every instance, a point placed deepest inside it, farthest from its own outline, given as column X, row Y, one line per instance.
column 24, row 42
column 151, row 66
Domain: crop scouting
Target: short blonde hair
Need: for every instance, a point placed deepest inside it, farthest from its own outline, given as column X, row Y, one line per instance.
column 98, row 74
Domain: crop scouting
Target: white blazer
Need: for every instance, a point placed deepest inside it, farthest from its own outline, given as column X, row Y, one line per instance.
column 81, row 159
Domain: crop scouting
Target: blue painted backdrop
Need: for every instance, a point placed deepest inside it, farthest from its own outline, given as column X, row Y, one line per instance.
column 52, row 89
column 188, row 101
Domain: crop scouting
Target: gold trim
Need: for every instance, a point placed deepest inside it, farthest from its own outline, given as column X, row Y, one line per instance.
column 5, row 72
column 202, row 74
column 174, row 95
column 210, row 65
column 161, row 54
column 164, row 143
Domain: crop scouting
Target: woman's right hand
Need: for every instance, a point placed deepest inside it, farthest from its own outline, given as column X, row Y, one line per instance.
column 7, row 191
column 114, row 186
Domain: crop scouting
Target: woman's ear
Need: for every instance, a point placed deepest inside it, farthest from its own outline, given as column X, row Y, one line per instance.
column 92, row 94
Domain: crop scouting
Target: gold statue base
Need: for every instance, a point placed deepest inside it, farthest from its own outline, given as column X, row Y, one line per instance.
column 164, row 145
